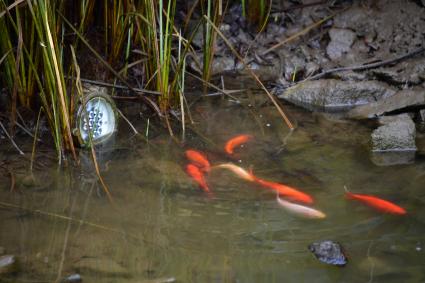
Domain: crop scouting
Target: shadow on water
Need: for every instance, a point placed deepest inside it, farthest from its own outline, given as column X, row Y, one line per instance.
column 163, row 228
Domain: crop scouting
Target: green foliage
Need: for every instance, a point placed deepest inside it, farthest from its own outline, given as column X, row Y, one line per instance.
column 35, row 51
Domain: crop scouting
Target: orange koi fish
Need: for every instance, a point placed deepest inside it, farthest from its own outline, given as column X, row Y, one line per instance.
column 239, row 171
column 300, row 210
column 199, row 159
column 377, row 203
column 286, row 191
column 195, row 173
column 236, row 141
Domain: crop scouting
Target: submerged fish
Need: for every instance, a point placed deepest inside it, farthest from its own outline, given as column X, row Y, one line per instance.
column 300, row 210
column 239, row 171
column 236, row 141
column 196, row 174
column 377, row 203
column 286, row 191
column 199, row 159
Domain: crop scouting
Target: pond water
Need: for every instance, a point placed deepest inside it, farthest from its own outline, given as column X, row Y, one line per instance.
column 161, row 227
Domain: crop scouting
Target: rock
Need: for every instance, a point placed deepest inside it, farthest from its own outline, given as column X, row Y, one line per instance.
column 400, row 100
column 389, row 158
column 422, row 115
column 73, row 278
column 355, row 18
column 8, row 264
column 329, row 252
column 394, row 142
column 410, row 72
column 341, row 42
column 219, row 65
column 396, row 133
column 334, row 95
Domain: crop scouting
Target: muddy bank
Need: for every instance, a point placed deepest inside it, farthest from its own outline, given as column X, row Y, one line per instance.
column 336, row 57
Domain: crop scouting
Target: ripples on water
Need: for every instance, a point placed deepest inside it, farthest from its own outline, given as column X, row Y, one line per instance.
column 163, row 226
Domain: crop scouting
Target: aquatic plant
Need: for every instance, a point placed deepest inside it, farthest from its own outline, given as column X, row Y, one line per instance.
column 36, row 68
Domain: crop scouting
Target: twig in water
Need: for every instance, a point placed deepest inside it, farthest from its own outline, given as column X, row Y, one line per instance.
column 367, row 66
column 63, row 217
column 11, row 139
column 147, row 130
column 35, row 141
column 65, row 243
column 128, row 122
column 372, row 263
column 12, row 180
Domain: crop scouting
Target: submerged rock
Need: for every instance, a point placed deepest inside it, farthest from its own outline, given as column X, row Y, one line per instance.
column 334, row 95
column 398, row 101
column 73, row 278
column 394, row 142
column 329, row 252
column 8, row 264
column 396, row 133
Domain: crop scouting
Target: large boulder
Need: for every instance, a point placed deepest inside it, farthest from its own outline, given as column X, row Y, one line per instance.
column 334, row 95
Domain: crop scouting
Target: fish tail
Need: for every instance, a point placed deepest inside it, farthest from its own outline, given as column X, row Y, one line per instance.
column 349, row 195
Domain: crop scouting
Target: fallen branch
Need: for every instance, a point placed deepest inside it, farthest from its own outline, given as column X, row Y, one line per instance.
column 368, row 66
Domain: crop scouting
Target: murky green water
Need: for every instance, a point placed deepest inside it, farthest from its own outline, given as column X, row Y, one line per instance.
column 162, row 226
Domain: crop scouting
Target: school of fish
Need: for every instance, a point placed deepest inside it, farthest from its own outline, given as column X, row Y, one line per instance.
column 291, row 199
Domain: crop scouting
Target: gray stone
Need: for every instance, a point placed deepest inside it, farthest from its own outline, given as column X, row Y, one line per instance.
column 410, row 72
column 422, row 115
column 341, row 42
column 334, row 95
column 329, row 252
column 397, row 133
column 389, row 158
column 8, row 264
column 355, row 18
column 398, row 101
column 219, row 64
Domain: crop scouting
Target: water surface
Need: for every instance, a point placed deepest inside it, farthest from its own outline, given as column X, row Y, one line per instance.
column 162, row 226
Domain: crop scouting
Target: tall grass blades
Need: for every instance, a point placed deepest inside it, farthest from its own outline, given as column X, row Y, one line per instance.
column 212, row 11
column 34, row 52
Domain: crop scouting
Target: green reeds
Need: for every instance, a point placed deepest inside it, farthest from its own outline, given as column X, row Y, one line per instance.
column 35, row 54
column 213, row 12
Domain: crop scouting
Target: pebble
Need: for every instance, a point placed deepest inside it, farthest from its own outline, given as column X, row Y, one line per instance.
column 329, row 252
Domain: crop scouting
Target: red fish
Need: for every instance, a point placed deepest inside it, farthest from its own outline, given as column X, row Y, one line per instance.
column 377, row 203
column 286, row 191
column 199, row 159
column 195, row 173
column 236, row 141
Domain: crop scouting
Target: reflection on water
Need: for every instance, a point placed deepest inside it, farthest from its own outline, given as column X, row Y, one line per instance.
column 161, row 227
